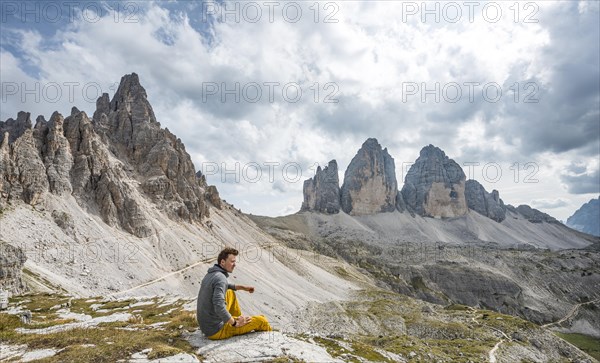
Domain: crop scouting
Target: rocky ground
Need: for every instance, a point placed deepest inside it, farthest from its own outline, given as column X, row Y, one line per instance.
column 540, row 285
column 374, row 326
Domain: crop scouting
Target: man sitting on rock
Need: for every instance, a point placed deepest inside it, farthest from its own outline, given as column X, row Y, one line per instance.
column 218, row 311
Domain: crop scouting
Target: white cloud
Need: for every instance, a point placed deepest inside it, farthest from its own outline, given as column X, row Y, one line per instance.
column 549, row 203
column 369, row 54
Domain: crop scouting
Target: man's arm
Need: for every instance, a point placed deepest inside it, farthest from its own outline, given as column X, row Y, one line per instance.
column 218, row 300
column 250, row 289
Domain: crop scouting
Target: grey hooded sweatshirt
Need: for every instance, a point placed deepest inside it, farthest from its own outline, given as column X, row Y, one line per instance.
column 211, row 310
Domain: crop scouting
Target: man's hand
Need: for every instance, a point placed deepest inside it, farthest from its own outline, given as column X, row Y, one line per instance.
column 242, row 320
column 250, row 289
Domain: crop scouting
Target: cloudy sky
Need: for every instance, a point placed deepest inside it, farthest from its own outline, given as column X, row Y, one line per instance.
column 261, row 92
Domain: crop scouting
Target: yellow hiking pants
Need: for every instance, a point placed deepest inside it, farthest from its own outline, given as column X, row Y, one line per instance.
column 257, row 322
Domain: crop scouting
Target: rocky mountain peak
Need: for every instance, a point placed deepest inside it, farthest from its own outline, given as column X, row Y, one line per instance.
column 40, row 120
column 322, row 192
column 433, row 152
column 435, row 185
column 16, row 128
column 113, row 163
column 370, row 184
column 131, row 97
column 586, row 218
column 128, row 125
column 371, row 143
column 484, row 203
column 126, row 115
column 431, row 149
column 129, row 87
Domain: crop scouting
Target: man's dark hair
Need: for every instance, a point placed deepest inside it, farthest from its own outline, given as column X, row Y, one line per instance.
column 225, row 253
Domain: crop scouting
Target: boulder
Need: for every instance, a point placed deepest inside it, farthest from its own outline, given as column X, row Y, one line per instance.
column 12, row 260
column 212, row 195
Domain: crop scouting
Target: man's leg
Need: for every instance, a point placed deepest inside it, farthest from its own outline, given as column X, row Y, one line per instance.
column 258, row 322
column 233, row 306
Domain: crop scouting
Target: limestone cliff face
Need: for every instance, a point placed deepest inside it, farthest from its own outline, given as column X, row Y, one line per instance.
column 109, row 164
column 435, row 185
column 322, row 192
column 22, row 172
column 56, row 154
column 11, row 262
column 484, row 203
column 16, row 128
column 370, row 184
column 99, row 178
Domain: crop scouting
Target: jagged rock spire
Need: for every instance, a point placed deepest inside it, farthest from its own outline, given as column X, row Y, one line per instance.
column 435, row 185
column 484, row 203
column 322, row 192
column 370, row 184
column 128, row 124
column 16, row 128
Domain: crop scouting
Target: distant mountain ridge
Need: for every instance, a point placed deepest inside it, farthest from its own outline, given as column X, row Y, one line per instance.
column 435, row 186
column 446, row 239
column 587, row 218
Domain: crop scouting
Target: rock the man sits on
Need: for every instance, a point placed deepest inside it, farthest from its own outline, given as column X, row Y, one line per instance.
column 218, row 311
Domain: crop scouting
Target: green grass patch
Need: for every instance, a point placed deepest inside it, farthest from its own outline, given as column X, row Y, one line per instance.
column 8, row 324
column 82, row 306
column 458, row 307
column 118, row 304
column 27, row 273
column 112, row 341
column 331, row 345
column 368, row 352
column 418, row 284
column 588, row 344
column 110, row 344
column 186, row 319
column 39, row 302
column 285, row 359
column 48, row 323
column 359, row 349
column 163, row 351
column 342, row 272
column 453, row 350
column 504, row 322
